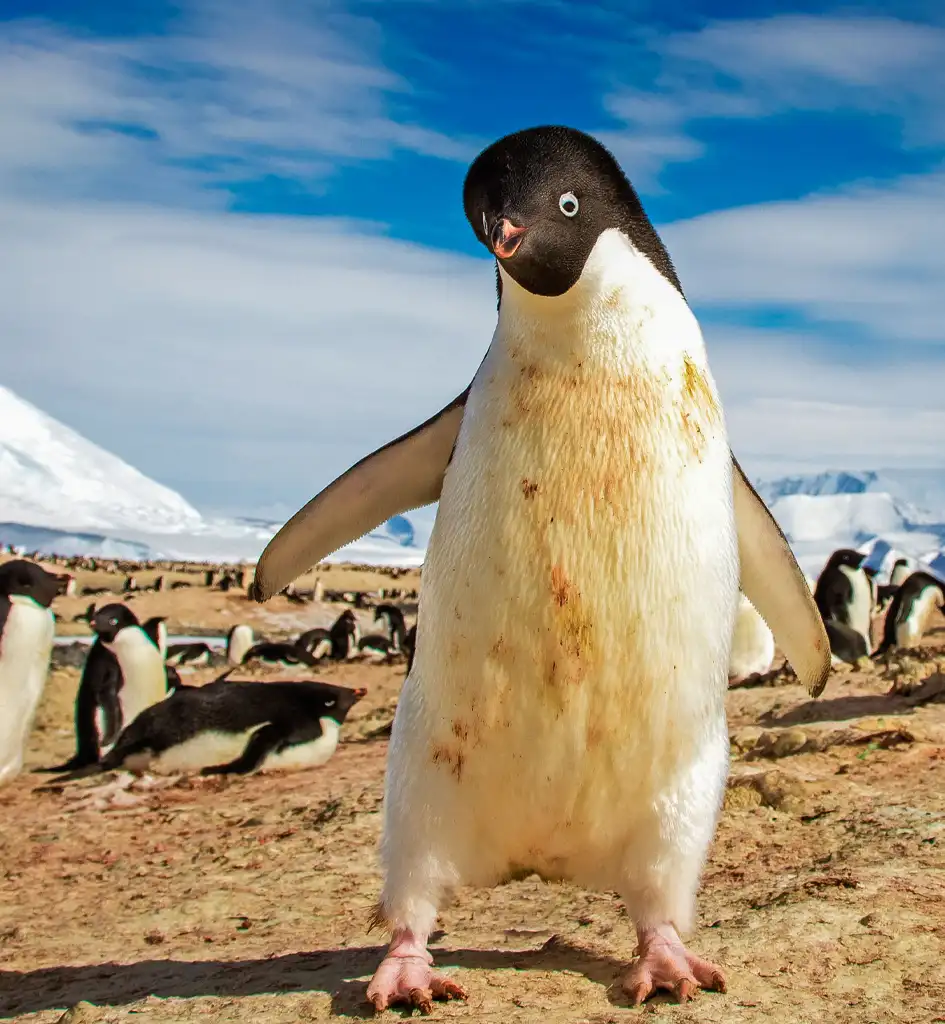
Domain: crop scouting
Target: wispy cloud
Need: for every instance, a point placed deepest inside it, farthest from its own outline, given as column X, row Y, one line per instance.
column 740, row 69
column 870, row 256
column 231, row 92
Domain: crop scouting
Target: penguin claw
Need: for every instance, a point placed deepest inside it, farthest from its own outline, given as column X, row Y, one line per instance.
column 406, row 975
column 665, row 963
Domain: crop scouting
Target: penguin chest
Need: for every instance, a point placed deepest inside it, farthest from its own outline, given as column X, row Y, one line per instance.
column 580, row 586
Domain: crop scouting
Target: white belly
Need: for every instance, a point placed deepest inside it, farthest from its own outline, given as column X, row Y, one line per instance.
column 578, row 604
column 24, row 665
column 752, row 642
column 216, row 748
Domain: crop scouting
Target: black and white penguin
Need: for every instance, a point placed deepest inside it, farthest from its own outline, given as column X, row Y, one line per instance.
column 844, row 596
column 410, row 644
column 156, row 628
column 584, row 480
column 234, row 727
column 104, row 700
column 383, row 648
column 316, row 641
column 196, row 653
column 393, row 618
column 752, row 644
column 238, row 641
column 912, row 606
column 345, row 633
column 27, row 628
column 899, row 572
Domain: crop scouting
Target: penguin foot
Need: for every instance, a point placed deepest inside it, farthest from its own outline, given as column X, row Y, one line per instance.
column 406, row 975
column 665, row 963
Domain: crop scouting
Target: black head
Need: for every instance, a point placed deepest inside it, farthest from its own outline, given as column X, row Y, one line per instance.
column 847, row 556
column 339, row 700
column 111, row 619
column 27, row 579
column 539, row 200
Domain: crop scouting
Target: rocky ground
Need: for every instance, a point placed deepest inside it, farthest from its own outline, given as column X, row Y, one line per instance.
column 237, row 900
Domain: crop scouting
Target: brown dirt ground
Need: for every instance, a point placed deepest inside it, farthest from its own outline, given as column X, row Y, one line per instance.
column 247, row 900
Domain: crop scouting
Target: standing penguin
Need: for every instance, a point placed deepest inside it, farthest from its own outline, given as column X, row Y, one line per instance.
column 26, row 636
column 590, row 450
column 911, row 608
column 844, row 597
column 238, row 642
column 122, row 675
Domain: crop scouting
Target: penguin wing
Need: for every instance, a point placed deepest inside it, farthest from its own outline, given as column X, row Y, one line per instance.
column 772, row 580
column 404, row 474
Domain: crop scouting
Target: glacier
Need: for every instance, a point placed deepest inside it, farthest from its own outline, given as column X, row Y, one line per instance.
column 62, row 494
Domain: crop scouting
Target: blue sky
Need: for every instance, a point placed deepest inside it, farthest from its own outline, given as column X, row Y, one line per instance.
column 235, row 253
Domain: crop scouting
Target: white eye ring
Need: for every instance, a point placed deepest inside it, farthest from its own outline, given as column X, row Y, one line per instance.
column 568, row 204
column 485, row 224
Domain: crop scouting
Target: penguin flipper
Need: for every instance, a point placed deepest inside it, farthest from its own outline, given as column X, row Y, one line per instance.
column 772, row 580
column 404, row 474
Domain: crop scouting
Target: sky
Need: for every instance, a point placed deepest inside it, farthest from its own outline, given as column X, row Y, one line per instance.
column 234, row 250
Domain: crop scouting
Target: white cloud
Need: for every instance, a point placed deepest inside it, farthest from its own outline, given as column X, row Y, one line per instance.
column 231, row 92
column 760, row 67
column 264, row 354
column 870, row 256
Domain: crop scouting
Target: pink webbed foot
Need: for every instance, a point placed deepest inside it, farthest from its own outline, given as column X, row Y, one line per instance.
column 406, row 975
column 665, row 963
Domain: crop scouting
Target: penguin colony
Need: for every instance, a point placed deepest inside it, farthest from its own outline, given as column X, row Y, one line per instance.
column 526, row 670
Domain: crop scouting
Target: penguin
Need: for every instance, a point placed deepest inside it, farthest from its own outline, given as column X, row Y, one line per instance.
column 316, row 641
column 104, row 699
column 899, row 572
column 284, row 654
column 156, row 628
column 27, row 628
column 197, row 653
column 410, row 644
column 752, row 644
column 911, row 608
column 844, row 596
column 235, row 728
column 345, row 634
column 238, row 642
column 394, row 620
column 143, row 677
column 589, row 451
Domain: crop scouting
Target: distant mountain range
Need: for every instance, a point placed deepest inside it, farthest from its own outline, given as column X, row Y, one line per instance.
column 60, row 493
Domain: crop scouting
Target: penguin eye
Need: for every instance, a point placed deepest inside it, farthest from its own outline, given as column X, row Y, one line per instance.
column 329, row 703
column 568, row 204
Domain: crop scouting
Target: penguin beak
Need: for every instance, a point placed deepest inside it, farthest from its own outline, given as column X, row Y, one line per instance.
column 506, row 238
column 359, row 693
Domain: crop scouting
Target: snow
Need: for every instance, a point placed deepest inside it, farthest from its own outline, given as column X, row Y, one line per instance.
column 60, row 493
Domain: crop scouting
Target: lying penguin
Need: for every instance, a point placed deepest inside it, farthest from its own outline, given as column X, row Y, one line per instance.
column 26, row 636
column 235, row 728
column 911, row 608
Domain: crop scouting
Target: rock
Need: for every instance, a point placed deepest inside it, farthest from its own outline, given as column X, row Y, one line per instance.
column 81, row 1013
column 776, row 789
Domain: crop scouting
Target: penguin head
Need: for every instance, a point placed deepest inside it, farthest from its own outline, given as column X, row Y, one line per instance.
column 21, row 578
column 848, row 557
column 111, row 619
column 337, row 701
column 540, row 198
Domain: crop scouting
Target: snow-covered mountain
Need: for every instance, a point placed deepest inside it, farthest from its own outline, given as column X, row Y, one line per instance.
column 870, row 511
column 62, row 494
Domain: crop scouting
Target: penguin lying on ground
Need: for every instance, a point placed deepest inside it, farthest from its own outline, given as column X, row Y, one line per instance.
column 316, row 641
column 26, row 637
column 235, row 728
column 380, row 647
column 279, row 653
column 912, row 606
column 845, row 599
column 123, row 673
column 196, row 653
column 580, row 584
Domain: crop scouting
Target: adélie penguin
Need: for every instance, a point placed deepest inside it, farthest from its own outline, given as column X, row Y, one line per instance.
column 236, row 728
column 26, row 636
column 580, row 585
